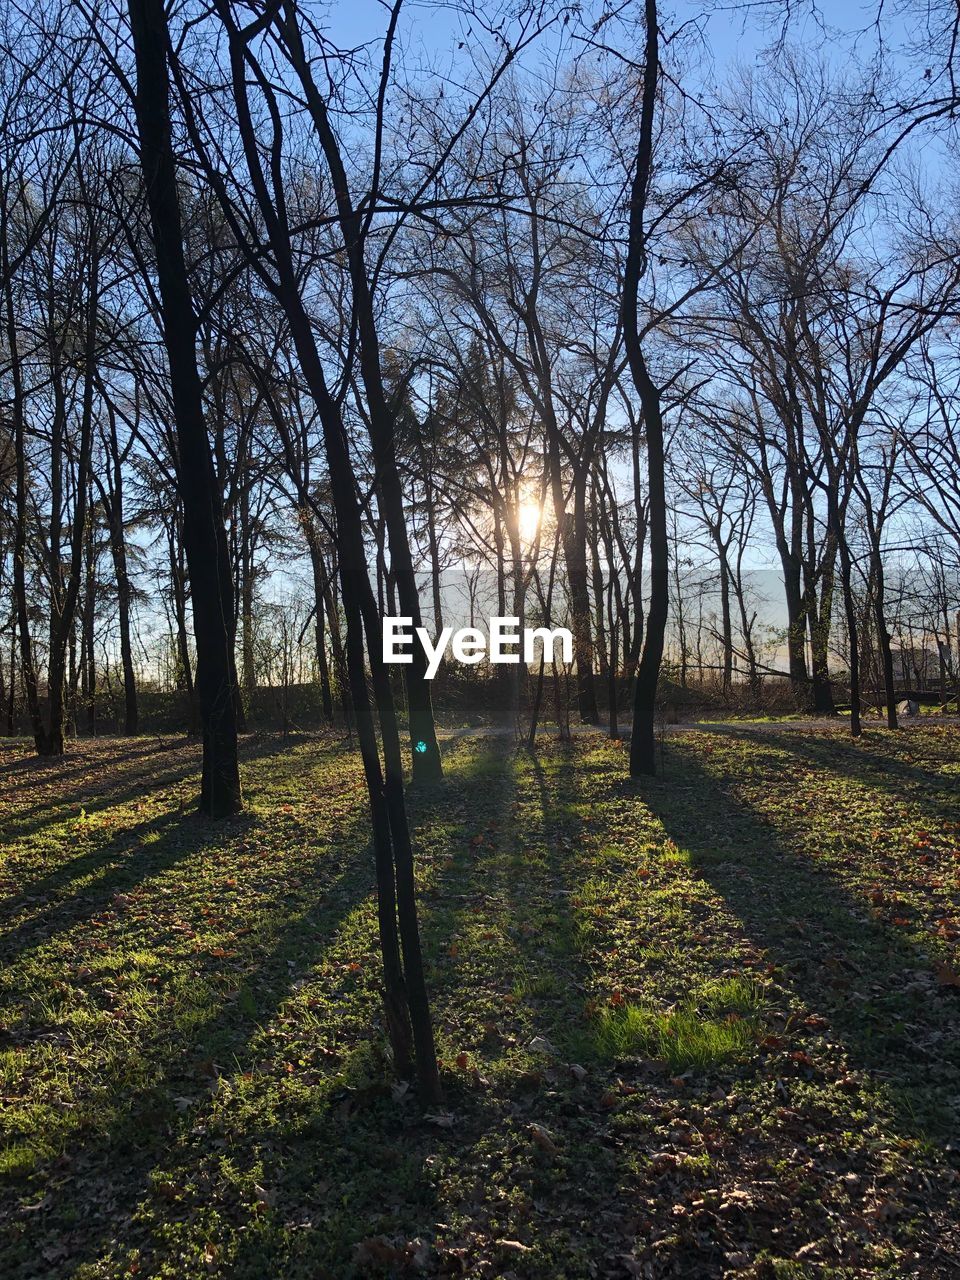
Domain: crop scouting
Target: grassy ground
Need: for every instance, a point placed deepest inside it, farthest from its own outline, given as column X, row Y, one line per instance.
column 697, row 1026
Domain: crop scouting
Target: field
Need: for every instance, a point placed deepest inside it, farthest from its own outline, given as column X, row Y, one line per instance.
column 699, row 1026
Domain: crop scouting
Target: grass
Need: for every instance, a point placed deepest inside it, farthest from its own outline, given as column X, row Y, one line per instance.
column 721, row 1023
column 701, row 1025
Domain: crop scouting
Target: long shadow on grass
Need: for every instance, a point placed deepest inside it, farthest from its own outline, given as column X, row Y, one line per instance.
column 99, row 793
column 496, row 935
column 136, row 1126
column 875, row 769
column 837, row 958
column 370, row 1145
column 144, row 851
column 120, row 864
column 108, row 849
column 78, row 758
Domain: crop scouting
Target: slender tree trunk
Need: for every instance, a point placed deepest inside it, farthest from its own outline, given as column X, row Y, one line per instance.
column 573, row 534
column 404, row 984
column 245, row 566
column 726, row 624
column 643, row 741
column 204, row 533
column 425, row 750
column 819, row 617
column 21, row 493
column 433, row 543
column 118, row 551
column 319, row 593
column 746, row 626
column 849, row 605
column 599, row 593
column 178, row 580
column 111, row 493
column 87, row 656
column 12, row 691
column 883, row 641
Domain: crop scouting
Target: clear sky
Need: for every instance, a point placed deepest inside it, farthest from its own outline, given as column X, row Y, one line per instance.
column 733, row 31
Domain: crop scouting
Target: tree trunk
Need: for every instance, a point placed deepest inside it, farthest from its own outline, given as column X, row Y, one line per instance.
column 118, row 550
column 203, row 528
column 425, row 750
column 178, row 580
column 404, row 984
column 12, row 691
column 849, row 605
column 643, row 741
column 573, row 533
column 726, row 624
column 319, row 592
column 883, row 641
column 87, row 658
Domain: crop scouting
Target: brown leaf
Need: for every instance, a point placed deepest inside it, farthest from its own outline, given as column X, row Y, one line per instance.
column 542, row 1138
column 378, row 1252
column 662, row 1161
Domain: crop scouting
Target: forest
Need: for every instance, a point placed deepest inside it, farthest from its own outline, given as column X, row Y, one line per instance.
column 330, row 953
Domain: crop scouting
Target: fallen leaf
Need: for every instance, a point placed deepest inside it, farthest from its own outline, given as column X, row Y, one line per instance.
column 543, row 1139
column 946, row 975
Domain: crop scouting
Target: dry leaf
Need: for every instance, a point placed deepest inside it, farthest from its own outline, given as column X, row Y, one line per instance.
column 542, row 1138
column 946, row 975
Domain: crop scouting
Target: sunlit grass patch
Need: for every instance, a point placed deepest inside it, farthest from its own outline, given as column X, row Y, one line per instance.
column 718, row 1024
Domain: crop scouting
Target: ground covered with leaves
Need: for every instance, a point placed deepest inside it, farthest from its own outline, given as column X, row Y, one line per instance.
column 697, row 1026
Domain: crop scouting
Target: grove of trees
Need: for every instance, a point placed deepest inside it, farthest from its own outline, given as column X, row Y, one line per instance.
column 305, row 319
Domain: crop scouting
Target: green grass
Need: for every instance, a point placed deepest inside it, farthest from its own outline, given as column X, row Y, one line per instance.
column 721, row 1023
column 705, row 1016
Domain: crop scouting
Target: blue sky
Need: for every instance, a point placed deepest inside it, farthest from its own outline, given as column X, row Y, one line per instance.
column 733, row 32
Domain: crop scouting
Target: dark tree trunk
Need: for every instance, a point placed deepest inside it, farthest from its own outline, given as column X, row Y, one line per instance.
column 203, row 528
column 424, row 748
column 573, row 533
column 178, row 582
column 12, row 691
column 820, row 613
column 131, row 716
column 88, row 668
column 21, row 484
column 849, row 606
column 889, row 680
column 726, row 624
column 433, row 543
column 405, row 994
column 404, row 983
column 319, row 595
column 643, row 741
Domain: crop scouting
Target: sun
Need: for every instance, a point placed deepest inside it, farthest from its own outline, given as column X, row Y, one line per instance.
column 529, row 519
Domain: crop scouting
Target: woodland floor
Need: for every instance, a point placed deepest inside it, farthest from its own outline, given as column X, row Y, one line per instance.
column 698, row 1026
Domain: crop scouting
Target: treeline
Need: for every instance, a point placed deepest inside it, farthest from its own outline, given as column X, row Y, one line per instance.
column 445, row 281
column 541, row 303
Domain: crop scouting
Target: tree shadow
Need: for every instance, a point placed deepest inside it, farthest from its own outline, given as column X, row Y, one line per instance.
column 143, row 1103
column 843, row 754
column 497, row 933
column 109, row 787
column 876, row 987
column 145, row 850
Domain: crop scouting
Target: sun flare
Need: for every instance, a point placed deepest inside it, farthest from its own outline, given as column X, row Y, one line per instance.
column 529, row 519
